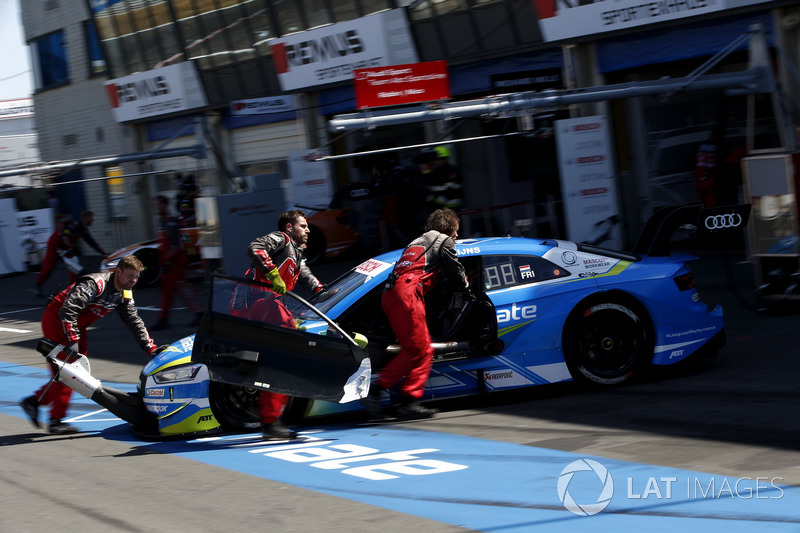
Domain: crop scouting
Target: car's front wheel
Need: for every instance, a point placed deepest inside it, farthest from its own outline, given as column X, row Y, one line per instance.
column 235, row 407
column 607, row 343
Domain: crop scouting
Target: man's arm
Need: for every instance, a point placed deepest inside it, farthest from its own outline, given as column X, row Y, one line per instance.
column 91, row 242
column 451, row 266
column 77, row 299
column 130, row 317
column 260, row 250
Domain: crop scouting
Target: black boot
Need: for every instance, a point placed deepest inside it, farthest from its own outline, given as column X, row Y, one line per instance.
column 277, row 431
column 411, row 409
column 31, row 407
column 57, row 427
column 372, row 403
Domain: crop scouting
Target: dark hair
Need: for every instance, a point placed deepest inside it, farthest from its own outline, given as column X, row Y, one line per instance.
column 87, row 214
column 442, row 220
column 163, row 200
column 130, row 261
column 289, row 217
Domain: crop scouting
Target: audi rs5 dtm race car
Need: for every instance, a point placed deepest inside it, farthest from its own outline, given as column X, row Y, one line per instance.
column 543, row 311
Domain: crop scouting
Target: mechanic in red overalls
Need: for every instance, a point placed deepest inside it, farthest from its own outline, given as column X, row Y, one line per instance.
column 278, row 261
column 66, row 319
column 64, row 242
column 417, row 271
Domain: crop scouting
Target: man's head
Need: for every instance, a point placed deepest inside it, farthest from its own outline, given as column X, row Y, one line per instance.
column 444, row 221
column 294, row 224
column 162, row 204
column 127, row 272
column 87, row 218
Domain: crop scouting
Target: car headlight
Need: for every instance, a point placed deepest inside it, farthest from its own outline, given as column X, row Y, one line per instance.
column 173, row 375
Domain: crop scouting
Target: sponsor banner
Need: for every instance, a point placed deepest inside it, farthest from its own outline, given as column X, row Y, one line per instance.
column 262, row 106
column 566, row 19
column 35, row 227
column 528, row 80
column 16, row 108
column 312, row 185
column 587, row 181
column 10, row 251
column 331, row 54
column 156, row 92
column 401, row 84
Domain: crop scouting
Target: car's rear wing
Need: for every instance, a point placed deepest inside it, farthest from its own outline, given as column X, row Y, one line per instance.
column 656, row 236
column 248, row 338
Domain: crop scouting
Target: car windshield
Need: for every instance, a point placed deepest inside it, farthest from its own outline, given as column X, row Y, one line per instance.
column 339, row 289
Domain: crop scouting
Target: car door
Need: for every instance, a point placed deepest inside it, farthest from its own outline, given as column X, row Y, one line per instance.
column 249, row 338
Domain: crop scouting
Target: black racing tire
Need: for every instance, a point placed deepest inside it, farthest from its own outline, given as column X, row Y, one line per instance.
column 151, row 275
column 315, row 250
column 235, row 407
column 607, row 343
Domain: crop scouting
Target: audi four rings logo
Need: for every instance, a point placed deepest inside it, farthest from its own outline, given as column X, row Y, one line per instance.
column 731, row 220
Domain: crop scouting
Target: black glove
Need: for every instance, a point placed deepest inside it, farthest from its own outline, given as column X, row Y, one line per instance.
column 159, row 350
column 72, row 350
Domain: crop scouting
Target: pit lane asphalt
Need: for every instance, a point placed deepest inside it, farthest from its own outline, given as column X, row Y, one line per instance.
column 733, row 415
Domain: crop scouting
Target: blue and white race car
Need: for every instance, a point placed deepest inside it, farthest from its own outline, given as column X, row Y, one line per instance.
column 541, row 311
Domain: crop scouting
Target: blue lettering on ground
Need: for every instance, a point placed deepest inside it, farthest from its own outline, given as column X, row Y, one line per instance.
column 464, row 481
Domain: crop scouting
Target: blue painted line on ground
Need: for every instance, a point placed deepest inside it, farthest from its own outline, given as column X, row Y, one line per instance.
column 464, row 481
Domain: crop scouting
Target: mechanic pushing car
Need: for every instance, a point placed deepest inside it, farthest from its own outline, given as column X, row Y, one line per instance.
column 422, row 263
column 278, row 261
column 65, row 321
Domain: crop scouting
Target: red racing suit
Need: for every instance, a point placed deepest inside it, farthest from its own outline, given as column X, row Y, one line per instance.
column 278, row 250
column 65, row 240
column 174, row 261
column 69, row 314
column 416, row 273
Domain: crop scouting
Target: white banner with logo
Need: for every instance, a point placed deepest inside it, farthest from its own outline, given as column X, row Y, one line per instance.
column 587, row 181
column 565, row 19
column 156, row 92
column 262, row 106
column 312, row 185
column 16, row 108
column 10, row 251
column 330, row 54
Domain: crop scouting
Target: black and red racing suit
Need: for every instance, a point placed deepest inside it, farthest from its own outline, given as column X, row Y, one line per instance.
column 278, row 250
column 69, row 314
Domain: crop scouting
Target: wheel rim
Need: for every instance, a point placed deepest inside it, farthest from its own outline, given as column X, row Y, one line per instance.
column 610, row 341
column 235, row 407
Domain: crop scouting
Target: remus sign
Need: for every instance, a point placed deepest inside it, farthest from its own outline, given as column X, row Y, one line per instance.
column 156, row 92
column 401, row 84
column 331, row 54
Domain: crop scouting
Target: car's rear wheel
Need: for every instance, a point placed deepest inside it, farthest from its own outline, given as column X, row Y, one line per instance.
column 315, row 250
column 235, row 407
column 152, row 267
column 607, row 343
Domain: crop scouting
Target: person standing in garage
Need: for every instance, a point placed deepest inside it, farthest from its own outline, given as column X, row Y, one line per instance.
column 63, row 244
column 425, row 260
column 278, row 261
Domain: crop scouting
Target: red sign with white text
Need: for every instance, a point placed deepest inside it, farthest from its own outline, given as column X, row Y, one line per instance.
column 401, row 84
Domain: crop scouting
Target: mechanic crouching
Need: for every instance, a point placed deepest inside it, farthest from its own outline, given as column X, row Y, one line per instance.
column 418, row 270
